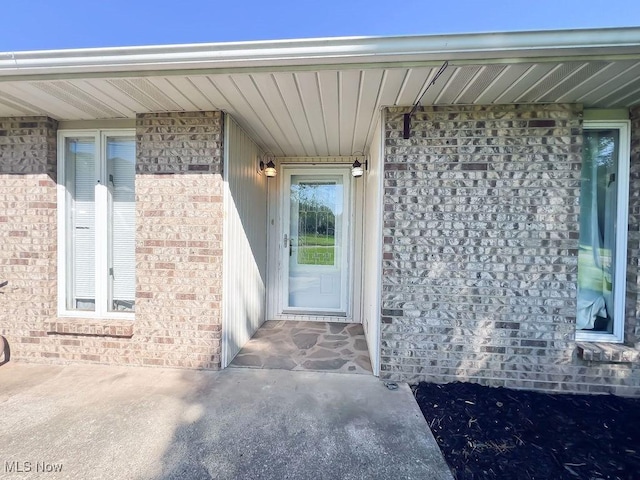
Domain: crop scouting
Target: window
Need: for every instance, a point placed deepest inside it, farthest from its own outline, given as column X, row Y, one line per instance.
column 96, row 198
column 604, row 195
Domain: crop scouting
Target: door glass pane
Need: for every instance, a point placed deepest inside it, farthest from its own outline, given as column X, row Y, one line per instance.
column 598, row 212
column 80, row 178
column 122, row 221
column 316, row 253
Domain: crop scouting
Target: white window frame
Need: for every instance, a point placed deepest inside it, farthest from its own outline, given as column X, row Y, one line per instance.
column 102, row 243
column 622, row 231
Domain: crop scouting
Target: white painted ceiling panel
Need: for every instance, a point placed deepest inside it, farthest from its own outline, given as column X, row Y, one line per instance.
column 291, row 97
column 550, row 81
column 70, row 93
column 569, row 82
column 415, row 82
column 602, row 76
column 434, row 91
column 258, row 101
column 178, row 98
column 307, row 83
column 482, row 80
column 524, row 83
column 229, row 94
column 266, row 84
column 208, row 89
column 45, row 103
column 330, row 99
column 349, row 83
column 91, row 88
column 595, row 96
column 456, row 85
column 508, row 76
column 13, row 105
column 148, row 102
column 392, row 81
column 369, row 105
column 193, row 93
column 12, row 109
column 324, row 112
column 632, row 100
column 619, row 96
column 108, row 90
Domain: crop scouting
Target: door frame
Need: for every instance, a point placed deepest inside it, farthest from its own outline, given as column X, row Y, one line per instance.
column 346, row 230
column 275, row 225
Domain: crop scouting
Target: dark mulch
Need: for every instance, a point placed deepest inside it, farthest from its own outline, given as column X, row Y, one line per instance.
column 487, row 433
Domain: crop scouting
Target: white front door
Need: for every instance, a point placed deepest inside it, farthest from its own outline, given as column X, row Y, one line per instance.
column 316, row 241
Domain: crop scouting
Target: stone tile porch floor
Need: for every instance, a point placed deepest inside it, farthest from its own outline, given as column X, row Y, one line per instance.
column 307, row 346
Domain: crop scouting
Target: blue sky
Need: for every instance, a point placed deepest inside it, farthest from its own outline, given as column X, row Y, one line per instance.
column 53, row 24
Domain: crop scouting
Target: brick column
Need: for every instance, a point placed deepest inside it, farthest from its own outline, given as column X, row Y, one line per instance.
column 632, row 325
column 27, row 232
column 480, row 244
column 179, row 210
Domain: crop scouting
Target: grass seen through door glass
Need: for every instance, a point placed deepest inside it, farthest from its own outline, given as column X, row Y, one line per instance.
column 316, row 250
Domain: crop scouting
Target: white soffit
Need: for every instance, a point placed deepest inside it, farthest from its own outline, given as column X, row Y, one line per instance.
column 320, row 109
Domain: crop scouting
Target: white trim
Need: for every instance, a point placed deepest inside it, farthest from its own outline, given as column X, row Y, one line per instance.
column 274, row 270
column 372, row 248
column 226, row 265
column 357, row 253
column 274, row 239
column 346, row 294
column 101, row 263
column 101, row 124
column 375, row 359
column 622, row 231
column 332, row 51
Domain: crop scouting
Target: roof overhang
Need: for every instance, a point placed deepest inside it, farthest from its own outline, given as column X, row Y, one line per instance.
column 487, row 47
column 321, row 96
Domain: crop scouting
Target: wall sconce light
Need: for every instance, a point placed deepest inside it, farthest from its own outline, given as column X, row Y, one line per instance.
column 358, row 168
column 270, row 166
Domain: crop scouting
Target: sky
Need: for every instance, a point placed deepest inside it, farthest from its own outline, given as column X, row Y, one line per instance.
column 57, row 24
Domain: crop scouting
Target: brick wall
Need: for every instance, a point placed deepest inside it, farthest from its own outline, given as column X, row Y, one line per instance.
column 28, row 231
column 179, row 205
column 480, row 249
column 178, row 248
column 632, row 325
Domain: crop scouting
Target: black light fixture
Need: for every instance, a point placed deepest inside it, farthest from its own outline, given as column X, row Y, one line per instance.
column 268, row 166
column 358, row 168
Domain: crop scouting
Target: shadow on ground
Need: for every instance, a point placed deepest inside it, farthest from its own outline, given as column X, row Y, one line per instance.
column 139, row 423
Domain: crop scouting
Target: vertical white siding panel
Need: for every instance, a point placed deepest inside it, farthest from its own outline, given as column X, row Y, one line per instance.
column 245, row 241
column 372, row 247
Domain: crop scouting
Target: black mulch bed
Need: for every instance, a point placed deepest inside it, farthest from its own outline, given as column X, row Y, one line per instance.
column 487, row 432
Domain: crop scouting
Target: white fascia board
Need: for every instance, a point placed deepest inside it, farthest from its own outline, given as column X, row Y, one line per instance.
column 327, row 51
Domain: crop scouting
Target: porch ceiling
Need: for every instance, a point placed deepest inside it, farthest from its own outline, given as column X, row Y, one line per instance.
column 324, row 109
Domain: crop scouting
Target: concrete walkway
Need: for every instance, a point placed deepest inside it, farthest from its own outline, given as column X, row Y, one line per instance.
column 105, row 422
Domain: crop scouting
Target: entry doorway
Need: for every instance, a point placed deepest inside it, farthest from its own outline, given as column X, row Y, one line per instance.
column 316, row 238
column 313, row 261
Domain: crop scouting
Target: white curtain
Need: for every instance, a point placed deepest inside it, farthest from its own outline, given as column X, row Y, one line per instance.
column 596, row 260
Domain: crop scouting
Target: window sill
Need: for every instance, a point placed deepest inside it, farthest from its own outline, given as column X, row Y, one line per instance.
column 93, row 328
column 607, row 352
